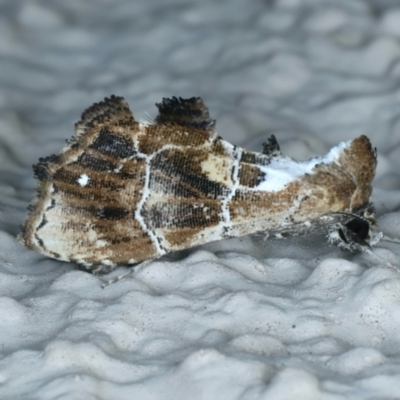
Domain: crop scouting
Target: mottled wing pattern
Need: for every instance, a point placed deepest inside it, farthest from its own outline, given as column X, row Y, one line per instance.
column 123, row 191
column 341, row 185
column 86, row 202
column 189, row 175
column 119, row 183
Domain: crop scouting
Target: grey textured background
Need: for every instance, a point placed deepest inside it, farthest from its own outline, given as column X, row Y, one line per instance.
column 236, row 319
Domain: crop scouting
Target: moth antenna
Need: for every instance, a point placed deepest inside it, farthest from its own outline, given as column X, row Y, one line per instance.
column 147, row 119
column 110, row 281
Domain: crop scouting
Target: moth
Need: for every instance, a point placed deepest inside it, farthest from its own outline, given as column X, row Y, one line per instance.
column 123, row 191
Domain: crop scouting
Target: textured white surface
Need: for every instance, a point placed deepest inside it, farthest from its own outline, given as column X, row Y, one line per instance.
column 237, row 319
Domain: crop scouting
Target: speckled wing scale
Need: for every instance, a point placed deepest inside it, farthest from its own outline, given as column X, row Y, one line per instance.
column 123, row 191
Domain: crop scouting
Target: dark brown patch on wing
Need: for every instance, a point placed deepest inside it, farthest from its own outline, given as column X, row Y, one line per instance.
column 164, row 186
column 112, row 145
column 94, row 163
column 250, row 175
column 191, row 113
column 182, row 171
column 251, row 157
column 110, row 213
column 158, row 136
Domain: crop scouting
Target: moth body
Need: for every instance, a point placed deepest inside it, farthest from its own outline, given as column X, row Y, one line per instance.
column 122, row 191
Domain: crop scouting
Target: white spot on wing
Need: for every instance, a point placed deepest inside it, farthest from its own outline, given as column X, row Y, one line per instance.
column 83, row 180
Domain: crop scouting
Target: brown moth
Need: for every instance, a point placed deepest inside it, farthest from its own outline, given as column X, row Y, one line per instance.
column 123, row 191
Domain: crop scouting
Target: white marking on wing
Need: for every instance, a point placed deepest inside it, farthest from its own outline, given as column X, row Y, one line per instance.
column 83, row 180
column 283, row 170
column 138, row 211
column 225, row 211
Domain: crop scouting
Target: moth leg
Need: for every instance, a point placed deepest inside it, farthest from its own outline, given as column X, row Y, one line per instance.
column 130, row 271
column 294, row 231
column 101, row 269
column 285, row 235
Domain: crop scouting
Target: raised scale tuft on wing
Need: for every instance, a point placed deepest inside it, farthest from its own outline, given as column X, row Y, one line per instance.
column 185, row 112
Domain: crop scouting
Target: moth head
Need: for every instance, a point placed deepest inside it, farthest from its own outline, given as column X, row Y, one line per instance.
column 355, row 231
